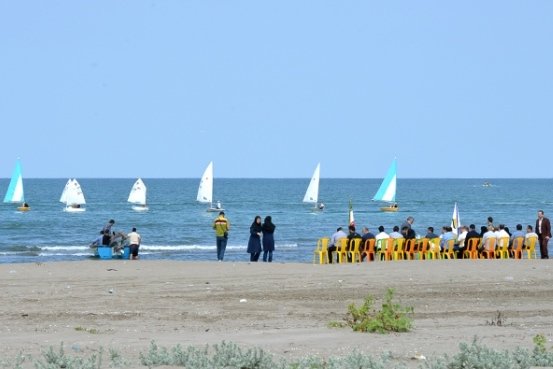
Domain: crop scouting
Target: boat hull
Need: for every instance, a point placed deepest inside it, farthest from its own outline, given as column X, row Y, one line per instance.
column 140, row 208
column 389, row 209
column 23, row 208
column 213, row 210
column 70, row 209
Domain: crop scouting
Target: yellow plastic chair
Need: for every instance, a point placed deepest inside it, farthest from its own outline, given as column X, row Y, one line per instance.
column 503, row 248
column 386, row 249
column 433, row 249
column 449, row 250
column 531, row 247
column 354, row 250
column 471, row 251
column 342, row 250
column 422, row 248
column 516, row 247
column 321, row 251
column 398, row 253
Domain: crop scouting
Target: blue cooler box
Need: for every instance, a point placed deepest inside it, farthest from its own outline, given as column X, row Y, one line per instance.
column 104, row 252
column 126, row 252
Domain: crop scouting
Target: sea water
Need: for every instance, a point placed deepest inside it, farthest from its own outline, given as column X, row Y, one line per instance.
column 177, row 227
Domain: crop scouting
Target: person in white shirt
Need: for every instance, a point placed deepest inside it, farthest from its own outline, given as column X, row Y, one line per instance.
column 134, row 243
column 489, row 234
column 501, row 234
column 460, row 243
column 335, row 242
column 380, row 236
column 395, row 233
column 529, row 234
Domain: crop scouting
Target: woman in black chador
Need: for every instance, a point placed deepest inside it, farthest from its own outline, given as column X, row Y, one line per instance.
column 254, row 243
column 268, row 228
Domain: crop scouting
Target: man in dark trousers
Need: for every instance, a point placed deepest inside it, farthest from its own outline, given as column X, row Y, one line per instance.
column 543, row 229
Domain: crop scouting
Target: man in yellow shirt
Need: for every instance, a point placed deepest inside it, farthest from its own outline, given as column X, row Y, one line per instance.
column 221, row 225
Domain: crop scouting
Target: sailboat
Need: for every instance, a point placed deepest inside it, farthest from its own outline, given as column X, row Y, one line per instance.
column 205, row 190
column 138, row 196
column 312, row 193
column 73, row 197
column 15, row 193
column 387, row 190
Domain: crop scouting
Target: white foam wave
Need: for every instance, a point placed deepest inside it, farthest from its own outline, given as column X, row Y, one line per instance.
column 85, row 250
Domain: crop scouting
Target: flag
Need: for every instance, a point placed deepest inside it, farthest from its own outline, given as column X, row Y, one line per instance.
column 455, row 220
column 351, row 218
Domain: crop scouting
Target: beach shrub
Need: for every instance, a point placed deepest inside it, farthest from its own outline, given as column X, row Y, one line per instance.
column 52, row 359
column 225, row 355
column 355, row 360
column 16, row 363
column 477, row 356
column 391, row 318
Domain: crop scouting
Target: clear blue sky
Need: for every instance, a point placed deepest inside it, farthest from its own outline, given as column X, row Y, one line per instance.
column 114, row 88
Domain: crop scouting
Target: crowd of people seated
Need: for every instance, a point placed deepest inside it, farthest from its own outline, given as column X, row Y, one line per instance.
column 440, row 243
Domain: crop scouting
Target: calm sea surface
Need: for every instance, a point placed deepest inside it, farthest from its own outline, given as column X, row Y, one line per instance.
column 176, row 227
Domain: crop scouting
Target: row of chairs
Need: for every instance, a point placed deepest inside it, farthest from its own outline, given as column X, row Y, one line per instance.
column 423, row 249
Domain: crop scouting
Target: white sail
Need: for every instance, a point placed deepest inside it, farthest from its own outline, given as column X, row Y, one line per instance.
column 205, row 190
column 387, row 190
column 63, row 197
column 312, row 193
column 138, row 193
column 74, row 194
column 15, row 189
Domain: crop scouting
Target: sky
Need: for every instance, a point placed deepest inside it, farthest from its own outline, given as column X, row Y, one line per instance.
column 268, row 89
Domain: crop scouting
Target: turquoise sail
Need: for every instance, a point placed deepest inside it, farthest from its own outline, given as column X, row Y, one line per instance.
column 387, row 189
column 15, row 189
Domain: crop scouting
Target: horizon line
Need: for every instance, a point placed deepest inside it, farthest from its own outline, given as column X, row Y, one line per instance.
column 302, row 178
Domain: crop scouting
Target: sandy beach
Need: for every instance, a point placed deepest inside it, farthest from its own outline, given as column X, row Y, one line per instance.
column 283, row 308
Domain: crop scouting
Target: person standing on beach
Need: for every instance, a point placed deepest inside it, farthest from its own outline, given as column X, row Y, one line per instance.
column 221, row 225
column 268, row 228
column 254, row 243
column 134, row 243
column 543, row 229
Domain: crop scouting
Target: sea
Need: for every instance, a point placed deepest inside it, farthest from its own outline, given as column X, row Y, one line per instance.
column 176, row 227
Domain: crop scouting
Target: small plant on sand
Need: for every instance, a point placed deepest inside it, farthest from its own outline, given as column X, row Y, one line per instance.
column 498, row 320
column 391, row 318
column 88, row 330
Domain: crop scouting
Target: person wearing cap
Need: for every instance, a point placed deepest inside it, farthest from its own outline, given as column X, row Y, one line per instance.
column 334, row 241
column 221, row 225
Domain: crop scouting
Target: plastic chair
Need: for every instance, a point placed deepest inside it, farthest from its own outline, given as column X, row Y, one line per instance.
column 489, row 249
column 410, row 248
column 471, row 251
column 433, row 249
column 398, row 249
column 321, row 250
column 369, row 251
column 422, row 248
column 342, row 250
column 516, row 248
column 503, row 248
column 449, row 250
column 386, row 249
column 354, row 250
column 531, row 247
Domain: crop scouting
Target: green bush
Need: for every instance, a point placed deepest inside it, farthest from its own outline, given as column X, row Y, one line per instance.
column 392, row 318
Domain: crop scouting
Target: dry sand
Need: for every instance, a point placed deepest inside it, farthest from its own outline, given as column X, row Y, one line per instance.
column 283, row 308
